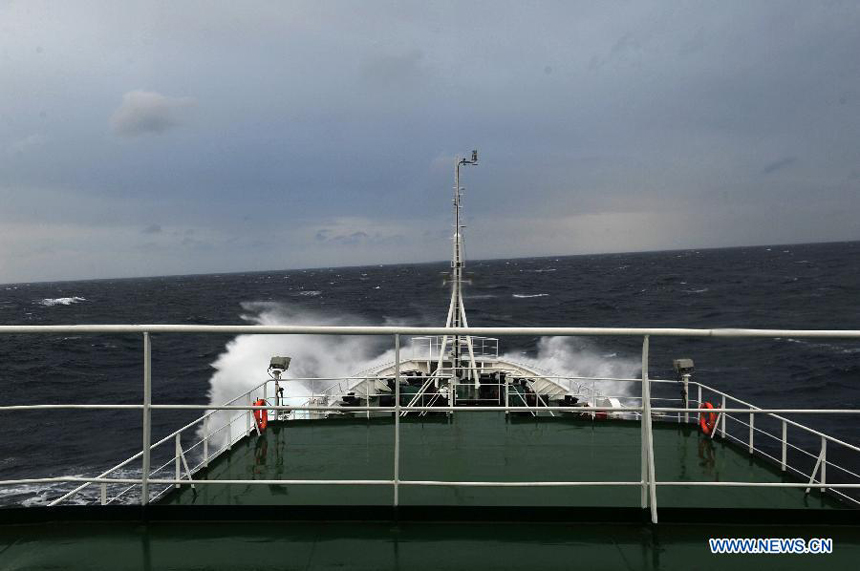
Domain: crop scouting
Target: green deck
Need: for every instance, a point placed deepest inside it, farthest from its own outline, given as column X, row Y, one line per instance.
column 473, row 446
column 484, row 446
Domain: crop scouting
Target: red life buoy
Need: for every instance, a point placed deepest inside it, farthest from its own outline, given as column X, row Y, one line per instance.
column 261, row 416
column 707, row 421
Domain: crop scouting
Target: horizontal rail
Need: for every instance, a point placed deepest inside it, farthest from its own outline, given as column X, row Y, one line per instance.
column 540, row 484
column 446, row 408
column 139, row 454
column 393, row 330
column 775, row 413
column 339, row 409
column 442, row 409
column 756, row 410
column 170, row 481
column 72, row 406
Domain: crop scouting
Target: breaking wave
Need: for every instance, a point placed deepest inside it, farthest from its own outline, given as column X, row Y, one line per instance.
column 576, row 357
column 244, row 363
column 527, row 295
column 309, row 293
column 51, row 302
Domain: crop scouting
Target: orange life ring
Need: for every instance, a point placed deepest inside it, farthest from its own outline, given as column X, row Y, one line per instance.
column 261, row 416
column 707, row 421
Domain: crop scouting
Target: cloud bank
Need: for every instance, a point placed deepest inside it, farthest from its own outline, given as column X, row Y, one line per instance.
column 148, row 112
column 324, row 133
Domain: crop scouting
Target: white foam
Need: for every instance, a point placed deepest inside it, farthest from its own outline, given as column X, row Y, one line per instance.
column 51, row 302
column 309, row 293
column 574, row 357
column 527, row 295
column 244, row 362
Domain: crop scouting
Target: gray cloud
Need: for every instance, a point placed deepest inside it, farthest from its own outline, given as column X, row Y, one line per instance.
column 143, row 112
column 27, row 144
column 779, row 165
column 393, row 69
column 324, row 133
column 360, row 237
column 152, row 229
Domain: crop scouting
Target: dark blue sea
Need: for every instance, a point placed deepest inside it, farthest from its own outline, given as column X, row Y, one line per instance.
column 815, row 286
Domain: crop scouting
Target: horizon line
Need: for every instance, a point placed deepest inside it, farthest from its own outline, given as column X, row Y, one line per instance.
column 236, row 272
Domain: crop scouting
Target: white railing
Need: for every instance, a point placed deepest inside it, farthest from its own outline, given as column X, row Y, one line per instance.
column 645, row 411
column 428, row 348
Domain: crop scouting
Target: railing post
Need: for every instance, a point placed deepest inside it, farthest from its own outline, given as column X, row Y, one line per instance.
column 699, row 405
column 752, row 429
column 644, row 445
column 230, row 430
column 823, row 464
column 646, row 413
column 784, row 445
column 103, row 494
column 396, row 419
column 266, row 398
column 594, row 396
column 147, row 418
column 178, row 459
column 206, row 442
column 686, row 379
column 723, row 418
column 248, row 417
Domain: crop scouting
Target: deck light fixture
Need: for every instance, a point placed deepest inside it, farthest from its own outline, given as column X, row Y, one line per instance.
column 278, row 365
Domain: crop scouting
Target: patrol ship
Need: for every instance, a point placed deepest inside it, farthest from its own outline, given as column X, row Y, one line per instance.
column 453, row 457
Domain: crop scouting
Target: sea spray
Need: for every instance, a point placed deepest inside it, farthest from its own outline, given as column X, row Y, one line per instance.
column 576, row 357
column 243, row 365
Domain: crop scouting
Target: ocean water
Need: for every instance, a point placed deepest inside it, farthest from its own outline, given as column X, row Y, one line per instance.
column 800, row 286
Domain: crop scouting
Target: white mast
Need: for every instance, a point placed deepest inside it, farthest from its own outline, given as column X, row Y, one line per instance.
column 457, row 311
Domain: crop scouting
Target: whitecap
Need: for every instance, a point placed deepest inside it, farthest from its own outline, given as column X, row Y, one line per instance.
column 51, row 302
column 309, row 293
column 527, row 295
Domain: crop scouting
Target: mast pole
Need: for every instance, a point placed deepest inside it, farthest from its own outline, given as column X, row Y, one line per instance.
column 456, row 319
column 456, row 262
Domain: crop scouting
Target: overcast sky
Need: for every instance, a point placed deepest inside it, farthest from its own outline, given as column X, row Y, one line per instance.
column 147, row 138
